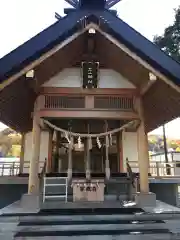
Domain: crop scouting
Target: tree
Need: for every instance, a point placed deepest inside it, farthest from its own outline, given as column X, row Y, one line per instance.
column 10, row 143
column 169, row 42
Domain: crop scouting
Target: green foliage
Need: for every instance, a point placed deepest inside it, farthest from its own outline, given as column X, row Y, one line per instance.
column 169, row 42
column 10, row 143
column 156, row 144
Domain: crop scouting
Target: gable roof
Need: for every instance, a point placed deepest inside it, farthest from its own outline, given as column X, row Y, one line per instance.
column 120, row 39
column 65, row 27
column 36, row 46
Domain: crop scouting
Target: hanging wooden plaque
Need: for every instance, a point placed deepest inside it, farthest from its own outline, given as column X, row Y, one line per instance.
column 90, row 72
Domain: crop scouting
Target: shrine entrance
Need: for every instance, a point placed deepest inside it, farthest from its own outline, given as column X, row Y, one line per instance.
column 87, row 154
column 84, row 150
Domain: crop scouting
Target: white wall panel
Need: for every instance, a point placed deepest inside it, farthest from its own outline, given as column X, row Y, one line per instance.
column 71, row 77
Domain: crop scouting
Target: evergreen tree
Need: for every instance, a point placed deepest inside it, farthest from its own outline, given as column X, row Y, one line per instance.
column 170, row 40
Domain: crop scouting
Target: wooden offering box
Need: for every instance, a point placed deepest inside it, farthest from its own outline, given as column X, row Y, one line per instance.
column 91, row 191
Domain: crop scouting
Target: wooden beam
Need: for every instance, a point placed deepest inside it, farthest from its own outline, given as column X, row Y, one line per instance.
column 146, row 87
column 96, row 91
column 88, row 114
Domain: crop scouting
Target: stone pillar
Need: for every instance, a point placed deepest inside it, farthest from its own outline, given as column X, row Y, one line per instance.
column 21, row 166
column 33, row 186
column 144, row 198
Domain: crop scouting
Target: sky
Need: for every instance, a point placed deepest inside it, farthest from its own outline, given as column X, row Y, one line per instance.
column 22, row 19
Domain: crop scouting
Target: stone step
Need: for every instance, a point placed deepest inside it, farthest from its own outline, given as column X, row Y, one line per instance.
column 50, row 222
column 8, row 230
column 93, row 227
column 84, row 217
column 77, row 218
column 103, row 237
column 87, row 230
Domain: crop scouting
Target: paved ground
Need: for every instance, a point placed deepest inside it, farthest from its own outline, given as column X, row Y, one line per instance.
column 160, row 207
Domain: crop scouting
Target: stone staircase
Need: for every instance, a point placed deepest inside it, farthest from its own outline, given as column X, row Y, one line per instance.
column 85, row 223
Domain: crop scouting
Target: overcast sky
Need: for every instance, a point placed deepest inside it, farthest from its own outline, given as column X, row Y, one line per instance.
column 22, row 19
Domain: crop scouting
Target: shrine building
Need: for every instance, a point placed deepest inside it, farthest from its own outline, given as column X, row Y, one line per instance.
column 84, row 93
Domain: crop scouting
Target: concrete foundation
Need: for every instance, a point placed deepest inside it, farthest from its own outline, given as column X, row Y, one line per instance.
column 145, row 199
column 30, row 202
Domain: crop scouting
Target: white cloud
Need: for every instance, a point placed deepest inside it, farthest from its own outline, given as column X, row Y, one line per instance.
column 172, row 129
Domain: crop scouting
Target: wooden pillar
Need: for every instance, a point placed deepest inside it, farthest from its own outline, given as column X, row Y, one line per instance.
column 107, row 168
column 85, row 154
column 143, row 155
column 59, row 154
column 21, row 166
column 56, row 153
column 88, row 159
column 119, row 152
column 69, row 172
column 49, row 161
column 33, row 186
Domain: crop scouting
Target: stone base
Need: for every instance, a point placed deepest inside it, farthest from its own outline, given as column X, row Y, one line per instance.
column 145, row 199
column 30, row 201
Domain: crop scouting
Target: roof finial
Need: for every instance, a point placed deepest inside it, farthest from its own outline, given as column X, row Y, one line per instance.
column 88, row 4
column 96, row 4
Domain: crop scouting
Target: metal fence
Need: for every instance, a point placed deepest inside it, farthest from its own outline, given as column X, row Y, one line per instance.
column 158, row 169
column 157, row 166
column 11, row 167
column 160, row 157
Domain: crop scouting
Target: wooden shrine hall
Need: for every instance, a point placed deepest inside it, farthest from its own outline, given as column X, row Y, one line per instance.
column 84, row 93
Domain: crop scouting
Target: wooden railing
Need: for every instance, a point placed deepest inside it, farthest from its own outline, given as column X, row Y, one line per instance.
column 77, row 102
column 64, row 102
column 124, row 103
